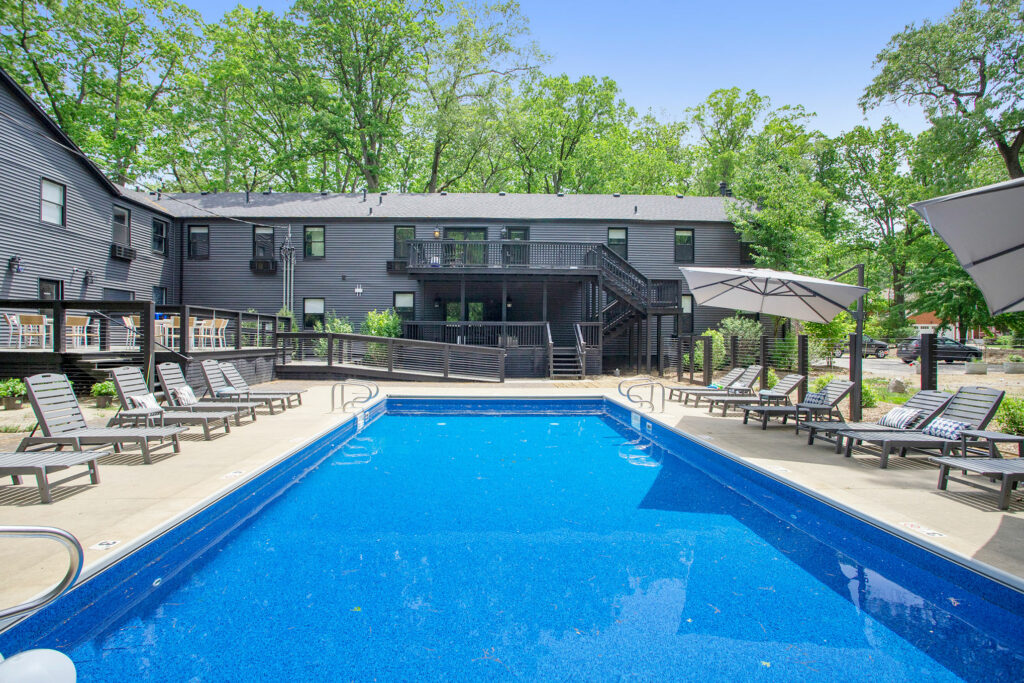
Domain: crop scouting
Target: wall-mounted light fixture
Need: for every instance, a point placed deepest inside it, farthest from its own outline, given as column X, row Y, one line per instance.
column 508, row 302
column 359, row 290
column 14, row 265
column 87, row 277
column 437, row 302
column 504, row 233
column 437, row 233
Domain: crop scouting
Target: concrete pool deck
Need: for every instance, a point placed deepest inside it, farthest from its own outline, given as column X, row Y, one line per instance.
column 133, row 499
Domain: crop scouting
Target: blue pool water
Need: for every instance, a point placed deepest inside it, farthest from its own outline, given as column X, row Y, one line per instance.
column 554, row 547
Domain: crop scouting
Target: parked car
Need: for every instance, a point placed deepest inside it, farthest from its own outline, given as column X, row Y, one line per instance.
column 872, row 347
column 946, row 349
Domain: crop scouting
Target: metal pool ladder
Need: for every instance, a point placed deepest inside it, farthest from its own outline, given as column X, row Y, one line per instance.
column 372, row 390
column 75, row 554
column 627, row 387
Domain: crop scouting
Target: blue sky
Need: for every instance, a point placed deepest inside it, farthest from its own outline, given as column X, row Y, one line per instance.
column 667, row 56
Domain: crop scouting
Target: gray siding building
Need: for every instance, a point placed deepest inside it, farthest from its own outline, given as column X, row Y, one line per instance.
column 607, row 262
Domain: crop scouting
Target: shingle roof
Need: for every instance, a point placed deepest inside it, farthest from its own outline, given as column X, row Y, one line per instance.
column 604, row 207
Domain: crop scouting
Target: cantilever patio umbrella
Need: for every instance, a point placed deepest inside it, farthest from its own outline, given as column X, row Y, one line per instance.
column 985, row 229
column 771, row 291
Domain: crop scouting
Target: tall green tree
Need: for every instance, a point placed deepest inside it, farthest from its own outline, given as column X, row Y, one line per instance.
column 966, row 67
column 103, row 69
column 365, row 54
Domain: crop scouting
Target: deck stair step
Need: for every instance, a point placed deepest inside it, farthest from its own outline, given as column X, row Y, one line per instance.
column 565, row 363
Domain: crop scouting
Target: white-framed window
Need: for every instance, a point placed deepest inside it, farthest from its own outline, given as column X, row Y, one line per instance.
column 122, row 230
column 199, row 242
column 161, row 229
column 618, row 241
column 52, row 202
column 312, row 313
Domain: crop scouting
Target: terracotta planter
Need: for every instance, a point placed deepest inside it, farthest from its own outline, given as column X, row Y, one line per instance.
column 103, row 401
column 11, row 403
column 977, row 368
column 1013, row 368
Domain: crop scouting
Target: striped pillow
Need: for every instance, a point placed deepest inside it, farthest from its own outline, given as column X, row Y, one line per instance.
column 899, row 417
column 185, row 396
column 946, row 429
column 144, row 401
column 816, row 398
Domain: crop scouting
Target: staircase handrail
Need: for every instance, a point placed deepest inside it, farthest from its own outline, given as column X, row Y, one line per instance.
column 551, row 350
column 622, row 272
column 581, row 350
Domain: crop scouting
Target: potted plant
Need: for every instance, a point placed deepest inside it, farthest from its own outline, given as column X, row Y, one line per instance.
column 11, row 390
column 1014, row 364
column 977, row 366
column 103, row 391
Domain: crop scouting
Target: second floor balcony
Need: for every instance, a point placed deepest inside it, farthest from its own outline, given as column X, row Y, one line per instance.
column 515, row 255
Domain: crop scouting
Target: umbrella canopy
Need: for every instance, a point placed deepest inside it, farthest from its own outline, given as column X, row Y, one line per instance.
column 771, row 291
column 985, row 229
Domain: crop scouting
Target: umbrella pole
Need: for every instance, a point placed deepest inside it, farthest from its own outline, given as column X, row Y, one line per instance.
column 857, row 352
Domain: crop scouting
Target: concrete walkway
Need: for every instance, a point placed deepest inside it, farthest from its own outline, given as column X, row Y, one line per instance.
column 133, row 499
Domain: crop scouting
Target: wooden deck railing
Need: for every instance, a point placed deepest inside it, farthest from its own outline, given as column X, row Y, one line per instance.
column 397, row 357
column 477, row 333
column 514, row 254
column 207, row 329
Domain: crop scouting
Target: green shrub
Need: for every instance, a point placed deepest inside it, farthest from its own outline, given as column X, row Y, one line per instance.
column 12, row 387
column 384, row 323
column 332, row 323
column 103, row 389
column 868, row 397
column 717, row 351
column 773, row 379
column 821, row 382
column 1015, row 358
column 1011, row 415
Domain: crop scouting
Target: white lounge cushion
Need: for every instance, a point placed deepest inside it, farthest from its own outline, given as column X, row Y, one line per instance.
column 899, row 417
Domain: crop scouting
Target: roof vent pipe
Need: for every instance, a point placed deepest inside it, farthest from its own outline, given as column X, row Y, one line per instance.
column 616, row 194
column 247, row 196
column 371, row 210
column 723, row 188
column 501, row 194
column 679, row 196
column 561, row 194
column 635, row 208
column 444, row 194
column 364, row 194
column 323, row 193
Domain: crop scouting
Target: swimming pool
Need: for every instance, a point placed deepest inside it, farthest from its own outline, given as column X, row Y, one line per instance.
column 537, row 539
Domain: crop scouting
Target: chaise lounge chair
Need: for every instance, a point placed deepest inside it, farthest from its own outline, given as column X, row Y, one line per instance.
column 133, row 391
column 60, row 417
column 777, row 395
column 220, row 389
column 742, row 386
column 675, row 393
column 928, row 403
column 173, row 382
column 41, row 464
column 235, row 379
column 972, row 406
column 834, row 392
column 1010, row 471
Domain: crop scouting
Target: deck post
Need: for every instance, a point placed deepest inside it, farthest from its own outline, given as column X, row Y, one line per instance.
column 661, row 358
column 647, row 344
column 330, row 349
column 802, row 365
column 238, row 330
column 391, row 355
column 147, row 337
column 447, row 360
column 929, row 363
column 679, row 357
column 59, row 339
column 764, row 361
column 708, row 359
column 184, row 330
column 734, row 351
column 693, row 358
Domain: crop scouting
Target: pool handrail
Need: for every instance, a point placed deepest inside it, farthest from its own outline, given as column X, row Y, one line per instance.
column 639, row 379
column 75, row 553
column 372, row 391
column 652, row 383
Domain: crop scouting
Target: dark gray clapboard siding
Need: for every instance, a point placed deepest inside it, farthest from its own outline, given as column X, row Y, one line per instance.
column 29, row 152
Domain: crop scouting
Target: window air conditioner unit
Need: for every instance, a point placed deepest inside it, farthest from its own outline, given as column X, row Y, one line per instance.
column 262, row 265
column 120, row 251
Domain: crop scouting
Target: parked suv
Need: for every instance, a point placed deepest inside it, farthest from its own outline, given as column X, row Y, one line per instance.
column 872, row 347
column 946, row 349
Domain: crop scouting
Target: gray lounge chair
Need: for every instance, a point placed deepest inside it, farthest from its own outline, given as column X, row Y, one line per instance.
column 235, row 379
column 220, row 389
column 777, row 395
column 675, row 393
column 742, row 386
column 835, row 391
column 61, row 420
column 171, row 378
column 974, row 406
column 130, row 383
column 929, row 402
column 1009, row 471
column 41, row 464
